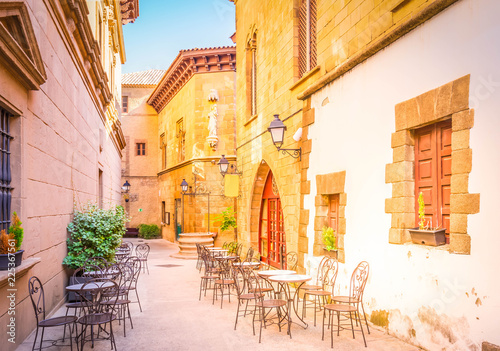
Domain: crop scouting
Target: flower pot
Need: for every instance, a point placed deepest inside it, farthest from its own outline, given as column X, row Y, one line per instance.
column 428, row 237
column 331, row 253
column 15, row 258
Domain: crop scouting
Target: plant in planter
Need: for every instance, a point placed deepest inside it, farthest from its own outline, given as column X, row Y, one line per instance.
column 10, row 244
column 227, row 219
column 94, row 232
column 329, row 239
column 149, row 231
column 425, row 234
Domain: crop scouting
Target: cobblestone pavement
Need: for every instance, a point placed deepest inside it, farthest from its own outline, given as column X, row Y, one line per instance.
column 174, row 319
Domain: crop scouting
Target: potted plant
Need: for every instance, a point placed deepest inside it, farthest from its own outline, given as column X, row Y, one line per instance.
column 329, row 240
column 228, row 221
column 10, row 244
column 425, row 234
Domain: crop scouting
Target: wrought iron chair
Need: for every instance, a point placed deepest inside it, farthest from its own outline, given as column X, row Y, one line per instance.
column 37, row 296
column 135, row 263
column 331, row 268
column 240, row 277
column 356, row 288
column 142, row 252
column 97, row 312
column 124, row 279
column 261, row 304
column 291, row 261
column 225, row 281
column 250, row 253
column 210, row 274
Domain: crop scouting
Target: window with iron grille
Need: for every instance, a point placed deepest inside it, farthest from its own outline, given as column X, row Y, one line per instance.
column 5, row 173
column 141, row 149
column 163, row 148
column 307, row 36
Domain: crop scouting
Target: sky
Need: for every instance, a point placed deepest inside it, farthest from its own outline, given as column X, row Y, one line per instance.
column 164, row 27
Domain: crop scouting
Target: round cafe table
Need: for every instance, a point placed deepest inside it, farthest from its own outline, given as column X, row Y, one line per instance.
column 247, row 264
column 266, row 274
column 284, row 281
column 90, row 286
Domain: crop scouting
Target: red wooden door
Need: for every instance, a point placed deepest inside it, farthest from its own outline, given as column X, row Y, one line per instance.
column 272, row 238
column 433, row 173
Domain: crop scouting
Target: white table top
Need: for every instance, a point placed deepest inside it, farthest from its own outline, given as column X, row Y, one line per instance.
column 295, row 278
column 90, row 286
column 253, row 264
column 272, row 272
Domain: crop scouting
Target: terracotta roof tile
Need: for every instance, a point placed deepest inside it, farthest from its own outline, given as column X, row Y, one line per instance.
column 145, row 78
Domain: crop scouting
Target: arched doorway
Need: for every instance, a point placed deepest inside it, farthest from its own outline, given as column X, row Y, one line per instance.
column 272, row 239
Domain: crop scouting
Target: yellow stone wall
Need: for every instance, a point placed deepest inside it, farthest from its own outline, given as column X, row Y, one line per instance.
column 348, row 32
column 191, row 104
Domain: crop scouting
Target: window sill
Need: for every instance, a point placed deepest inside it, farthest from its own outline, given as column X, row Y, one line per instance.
column 304, row 78
column 20, row 271
column 250, row 120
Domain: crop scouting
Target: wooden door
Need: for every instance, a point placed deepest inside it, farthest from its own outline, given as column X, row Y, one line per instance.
column 272, row 238
column 433, row 173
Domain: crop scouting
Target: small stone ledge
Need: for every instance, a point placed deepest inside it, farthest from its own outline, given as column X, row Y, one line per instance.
column 20, row 271
column 486, row 346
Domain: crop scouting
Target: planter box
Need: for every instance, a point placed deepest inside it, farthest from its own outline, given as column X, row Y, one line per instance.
column 4, row 260
column 428, row 237
column 332, row 253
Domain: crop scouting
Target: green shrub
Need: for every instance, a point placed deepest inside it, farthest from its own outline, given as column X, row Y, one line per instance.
column 94, row 232
column 228, row 219
column 149, row 231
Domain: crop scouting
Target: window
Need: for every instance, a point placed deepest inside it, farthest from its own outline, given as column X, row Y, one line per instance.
column 333, row 212
column 433, row 172
column 181, row 136
column 163, row 213
column 251, row 74
column 125, row 104
column 163, row 147
column 141, row 149
column 5, row 175
column 307, row 36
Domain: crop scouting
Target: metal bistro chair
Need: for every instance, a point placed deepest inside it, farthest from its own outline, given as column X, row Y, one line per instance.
column 136, row 264
column 225, row 281
column 321, row 296
column 96, row 312
column 356, row 288
column 37, row 296
column 250, row 253
column 240, row 277
column 261, row 304
column 210, row 274
column 142, row 252
column 291, row 261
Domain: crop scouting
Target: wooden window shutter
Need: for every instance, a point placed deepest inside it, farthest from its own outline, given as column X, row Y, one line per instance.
column 433, row 173
column 312, row 34
column 303, row 38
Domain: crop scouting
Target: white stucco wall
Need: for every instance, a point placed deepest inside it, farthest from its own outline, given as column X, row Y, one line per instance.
column 462, row 292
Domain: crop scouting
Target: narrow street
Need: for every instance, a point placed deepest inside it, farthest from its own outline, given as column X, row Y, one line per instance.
column 174, row 319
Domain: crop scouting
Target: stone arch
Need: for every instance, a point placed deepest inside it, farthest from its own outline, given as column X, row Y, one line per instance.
column 255, row 202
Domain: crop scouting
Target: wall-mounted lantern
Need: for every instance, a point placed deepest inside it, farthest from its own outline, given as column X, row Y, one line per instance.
column 227, row 168
column 125, row 190
column 277, row 129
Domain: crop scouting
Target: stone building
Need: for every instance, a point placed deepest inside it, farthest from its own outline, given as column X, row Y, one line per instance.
column 140, row 161
column 189, row 123
column 61, row 134
column 394, row 98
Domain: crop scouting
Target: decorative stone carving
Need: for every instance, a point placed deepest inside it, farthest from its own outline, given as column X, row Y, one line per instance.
column 212, row 139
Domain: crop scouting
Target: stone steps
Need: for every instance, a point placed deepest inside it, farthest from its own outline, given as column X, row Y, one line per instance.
column 187, row 244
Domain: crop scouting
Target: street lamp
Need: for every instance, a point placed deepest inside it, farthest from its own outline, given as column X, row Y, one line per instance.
column 126, row 189
column 227, row 168
column 277, row 129
column 184, row 186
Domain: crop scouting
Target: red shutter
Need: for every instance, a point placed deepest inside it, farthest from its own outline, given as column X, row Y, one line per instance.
column 333, row 212
column 433, row 172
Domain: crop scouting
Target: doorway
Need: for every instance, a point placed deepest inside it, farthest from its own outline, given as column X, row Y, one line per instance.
column 272, row 238
column 178, row 218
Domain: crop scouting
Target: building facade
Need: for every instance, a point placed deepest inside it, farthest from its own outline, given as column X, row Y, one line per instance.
column 195, row 101
column 140, row 161
column 59, row 92
column 394, row 98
